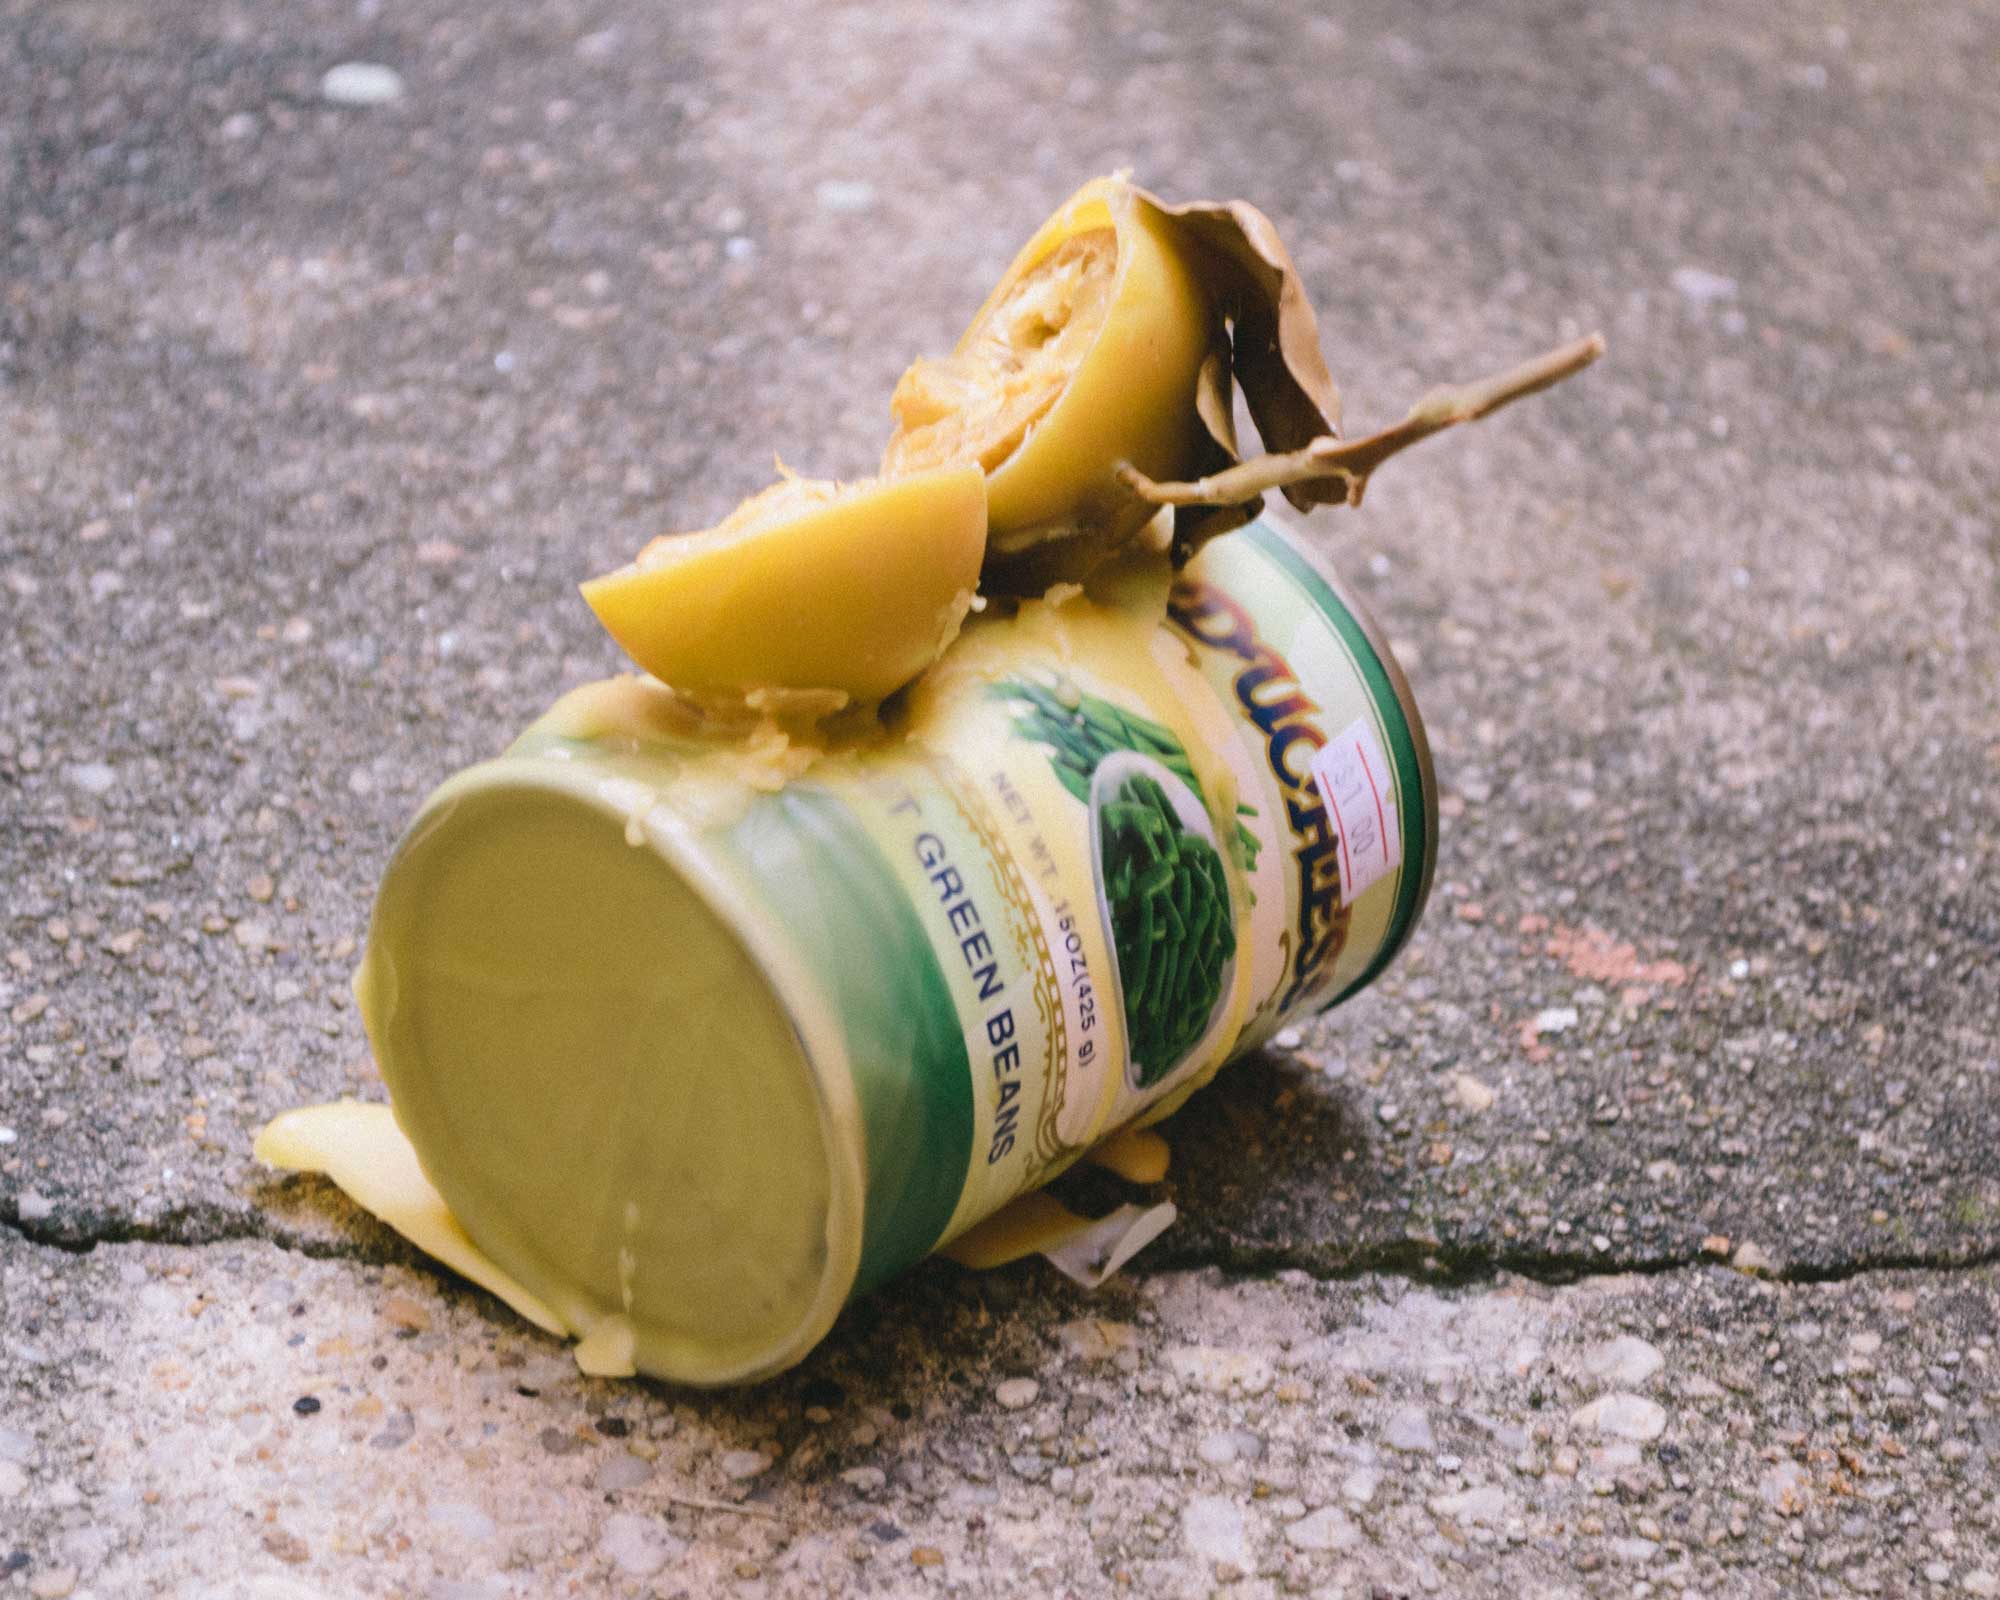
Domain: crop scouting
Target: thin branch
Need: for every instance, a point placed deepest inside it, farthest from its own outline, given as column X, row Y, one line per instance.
column 1348, row 462
column 696, row 1503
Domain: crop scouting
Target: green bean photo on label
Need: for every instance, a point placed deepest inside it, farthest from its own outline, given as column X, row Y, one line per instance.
column 1173, row 931
column 1081, row 729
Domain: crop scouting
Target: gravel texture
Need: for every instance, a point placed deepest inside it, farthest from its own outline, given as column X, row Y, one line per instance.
column 337, row 341
column 239, row 1419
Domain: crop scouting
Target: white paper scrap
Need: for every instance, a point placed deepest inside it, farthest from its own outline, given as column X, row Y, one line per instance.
column 1093, row 1255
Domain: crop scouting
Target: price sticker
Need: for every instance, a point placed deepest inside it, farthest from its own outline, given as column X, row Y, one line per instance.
column 1360, row 795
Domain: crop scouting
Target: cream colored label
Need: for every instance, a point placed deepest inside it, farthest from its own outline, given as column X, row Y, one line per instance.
column 992, row 884
column 1113, row 833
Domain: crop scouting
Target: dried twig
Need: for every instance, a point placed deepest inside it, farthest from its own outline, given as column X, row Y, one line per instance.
column 696, row 1503
column 1348, row 462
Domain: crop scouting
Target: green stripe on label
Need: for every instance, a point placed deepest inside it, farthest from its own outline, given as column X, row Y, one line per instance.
column 1417, row 842
column 838, row 901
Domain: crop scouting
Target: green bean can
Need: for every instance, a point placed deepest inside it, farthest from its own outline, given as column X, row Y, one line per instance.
column 697, row 1040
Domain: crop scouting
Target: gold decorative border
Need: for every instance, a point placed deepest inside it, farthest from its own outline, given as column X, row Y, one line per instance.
column 1031, row 945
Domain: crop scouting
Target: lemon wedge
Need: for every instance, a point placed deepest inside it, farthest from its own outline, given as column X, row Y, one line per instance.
column 809, row 585
column 1083, row 360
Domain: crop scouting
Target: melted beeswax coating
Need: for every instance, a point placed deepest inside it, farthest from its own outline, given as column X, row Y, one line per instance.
column 608, row 1090
column 361, row 1148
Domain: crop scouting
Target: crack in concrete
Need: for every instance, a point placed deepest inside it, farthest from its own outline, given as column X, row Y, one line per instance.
column 182, row 1227
column 1451, row 1266
column 1445, row 1266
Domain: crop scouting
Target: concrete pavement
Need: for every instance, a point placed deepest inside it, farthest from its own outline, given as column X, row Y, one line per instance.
column 318, row 396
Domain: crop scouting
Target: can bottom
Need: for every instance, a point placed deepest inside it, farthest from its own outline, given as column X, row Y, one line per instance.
column 604, row 1086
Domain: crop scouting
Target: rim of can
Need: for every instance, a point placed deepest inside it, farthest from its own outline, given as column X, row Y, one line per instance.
column 1298, row 542
column 821, row 1044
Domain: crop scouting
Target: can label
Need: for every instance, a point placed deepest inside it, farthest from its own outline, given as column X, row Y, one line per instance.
column 1296, row 661
column 1105, row 856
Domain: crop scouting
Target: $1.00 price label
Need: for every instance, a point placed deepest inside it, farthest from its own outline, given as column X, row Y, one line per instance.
column 1354, row 781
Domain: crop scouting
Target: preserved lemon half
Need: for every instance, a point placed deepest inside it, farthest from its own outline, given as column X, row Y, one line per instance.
column 809, row 585
column 1097, row 385
column 1084, row 359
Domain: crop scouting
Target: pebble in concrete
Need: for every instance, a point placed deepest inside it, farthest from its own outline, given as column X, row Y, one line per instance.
column 1409, row 1430
column 1094, row 1339
column 1214, row 1530
column 1702, row 288
column 1623, row 1416
column 1235, row 1444
column 844, row 195
column 1785, row 1487
column 1221, row 1371
column 1634, row 1551
column 622, row 1471
column 1483, row 1506
column 1625, row 1362
column 1325, row 1529
column 1016, row 1394
column 636, row 1545
column 361, row 83
column 467, row 1521
column 741, row 1465
column 1471, row 1094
